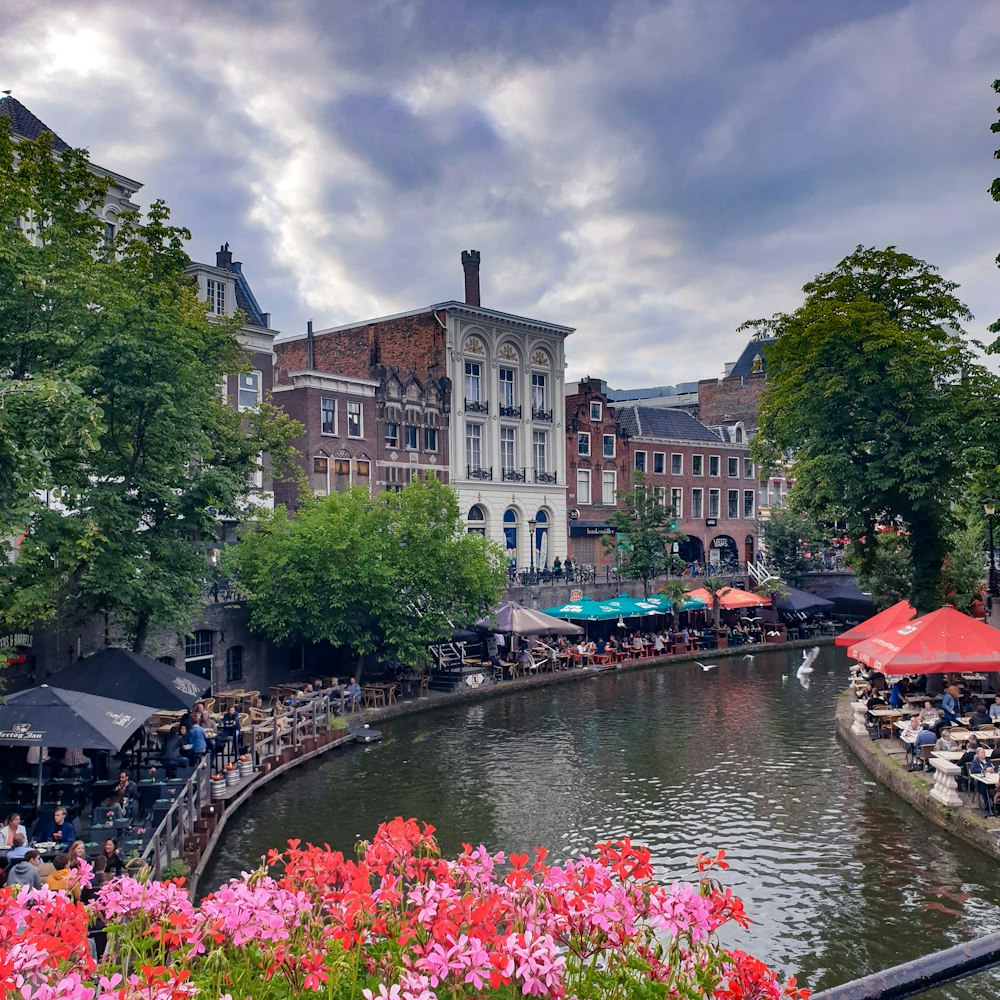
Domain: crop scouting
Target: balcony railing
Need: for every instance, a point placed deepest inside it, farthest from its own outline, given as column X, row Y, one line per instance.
column 541, row 476
column 540, row 413
column 477, row 472
column 510, row 411
column 514, row 475
column 477, row 406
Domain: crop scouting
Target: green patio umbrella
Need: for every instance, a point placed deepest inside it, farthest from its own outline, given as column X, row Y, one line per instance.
column 635, row 607
column 666, row 606
column 585, row 610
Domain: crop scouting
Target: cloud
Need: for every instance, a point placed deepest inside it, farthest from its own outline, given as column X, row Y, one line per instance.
column 652, row 173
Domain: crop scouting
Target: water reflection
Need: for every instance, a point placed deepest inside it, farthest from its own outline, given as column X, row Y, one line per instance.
column 840, row 877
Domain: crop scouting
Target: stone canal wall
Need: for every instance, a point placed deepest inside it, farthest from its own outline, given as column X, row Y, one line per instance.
column 915, row 787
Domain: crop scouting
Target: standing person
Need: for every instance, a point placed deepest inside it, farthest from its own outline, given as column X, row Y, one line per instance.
column 197, row 742
column 229, row 729
column 949, row 705
column 11, row 828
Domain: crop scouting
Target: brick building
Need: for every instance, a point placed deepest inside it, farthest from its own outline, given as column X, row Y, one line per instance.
column 598, row 466
column 710, row 482
column 472, row 393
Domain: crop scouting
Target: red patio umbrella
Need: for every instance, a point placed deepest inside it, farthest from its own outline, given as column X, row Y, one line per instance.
column 731, row 598
column 899, row 614
column 942, row 641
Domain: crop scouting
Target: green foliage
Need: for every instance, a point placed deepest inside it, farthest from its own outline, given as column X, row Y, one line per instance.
column 646, row 533
column 885, row 568
column 716, row 588
column 385, row 575
column 874, row 391
column 964, row 574
column 110, row 402
column 788, row 535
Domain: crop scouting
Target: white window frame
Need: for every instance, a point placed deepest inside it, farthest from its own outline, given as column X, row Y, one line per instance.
column 609, row 499
column 583, row 444
column 733, row 462
column 474, row 381
column 392, row 442
column 714, row 503
column 474, row 443
column 361, row 419
column 635, row 461
column 697, row 465
column 748, row 468
column 605, row 438
column 748, row 511
column 676, row 463
column 508, row 448
column 715, row 460
column 662, row 456
column 411, row 431
column 596, row 411
column 508, row 387
column 540, row 447
column 322, row 413
column 215, row 294
column 677, row 501
column 584, row 483
column 257, row 390
column 732, row 505
column 697, row 503
column 539, row 390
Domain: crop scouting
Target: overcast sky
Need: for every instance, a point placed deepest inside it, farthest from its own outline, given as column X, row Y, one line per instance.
column 652, row 174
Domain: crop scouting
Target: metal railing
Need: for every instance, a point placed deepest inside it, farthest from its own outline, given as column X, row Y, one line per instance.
column 283, row 729
column 510, row 411
column 513, row 475
column 477, row 406
column 477, row 472
column 541, row 476
column 922, row 974
column 540, row 413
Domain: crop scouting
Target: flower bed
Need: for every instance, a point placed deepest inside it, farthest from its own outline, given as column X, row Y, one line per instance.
column 400, row 923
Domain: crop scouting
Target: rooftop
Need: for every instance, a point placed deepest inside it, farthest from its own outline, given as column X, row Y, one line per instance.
column 658, row 423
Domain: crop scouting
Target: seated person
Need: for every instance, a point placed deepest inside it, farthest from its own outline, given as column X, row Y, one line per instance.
column 352, row 693
column 876, row 701
column 18, row 850
column 57, row 829
column 637, row 643
column 995, row 710
column 127, row 787
column 909, row 734
column 11, row 828
column 113, row 807
column 113, row 863
column 600, row 647
column 25, row 871
column 229, row 729
column 980, row 717
column 929, row 714
column 944, row 741
column 981, row 764
column 658, row 642
column 170, row 756
column 63, row 878
column 925, row 738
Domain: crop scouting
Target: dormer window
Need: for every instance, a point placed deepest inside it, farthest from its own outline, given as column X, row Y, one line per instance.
column 216, row 297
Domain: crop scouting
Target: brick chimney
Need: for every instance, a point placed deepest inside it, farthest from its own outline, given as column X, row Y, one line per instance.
column 470, row 264
column 223, row 257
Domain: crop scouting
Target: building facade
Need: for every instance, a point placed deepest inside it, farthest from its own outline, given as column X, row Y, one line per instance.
column 711, row 483
column 475, row 396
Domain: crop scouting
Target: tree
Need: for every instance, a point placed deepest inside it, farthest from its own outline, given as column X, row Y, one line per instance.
column 788, row 535
column 646, row 531
column 717, row 589
column 964, row 572
column 386, row 575
column 874, row 391
column 885, row 568
column 118, row 332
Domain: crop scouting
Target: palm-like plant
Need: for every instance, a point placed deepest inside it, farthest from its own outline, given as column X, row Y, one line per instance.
column 717, row 589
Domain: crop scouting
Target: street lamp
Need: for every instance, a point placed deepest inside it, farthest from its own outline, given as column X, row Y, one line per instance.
column 532, row 524
column 990, row 508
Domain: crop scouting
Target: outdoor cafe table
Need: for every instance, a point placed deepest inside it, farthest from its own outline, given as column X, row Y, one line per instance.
column 954, row 756
column 885, row 715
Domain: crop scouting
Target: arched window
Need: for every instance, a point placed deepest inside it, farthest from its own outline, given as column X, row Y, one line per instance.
column 541, row 540
column 234, row 664
column 738, row 435
column 510, row 520
column 476, row 520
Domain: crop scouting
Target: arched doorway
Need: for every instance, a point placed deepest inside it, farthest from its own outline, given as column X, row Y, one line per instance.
column 748, row 548
column 723, row 552
column 692, row 550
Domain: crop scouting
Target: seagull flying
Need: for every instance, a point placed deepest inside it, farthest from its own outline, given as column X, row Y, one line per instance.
column 706, row 666
column 805, row 667
column 748, row 656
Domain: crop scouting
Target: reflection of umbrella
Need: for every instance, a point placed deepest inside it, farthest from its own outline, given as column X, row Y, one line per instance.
column 898, row 614
column 120, row 673
column 730, row 598
column 943, row 641
column 798, row 601
column 849, row 600
column 585, row 610
column 52, row 717
column 515, row 619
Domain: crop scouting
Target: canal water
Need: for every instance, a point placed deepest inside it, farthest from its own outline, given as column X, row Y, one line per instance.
column 840, row 876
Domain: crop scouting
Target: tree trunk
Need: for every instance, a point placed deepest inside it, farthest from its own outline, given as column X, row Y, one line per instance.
column 141, row 632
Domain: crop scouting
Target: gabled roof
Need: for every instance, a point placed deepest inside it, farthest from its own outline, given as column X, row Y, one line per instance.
column 746, row 364
column 245, row 298
column 26, row 124
column 657, row 423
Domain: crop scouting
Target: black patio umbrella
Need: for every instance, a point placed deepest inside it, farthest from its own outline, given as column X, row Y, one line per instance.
column 53, row 717
column 848, row 599
column 798, row 601
column 120, row 673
